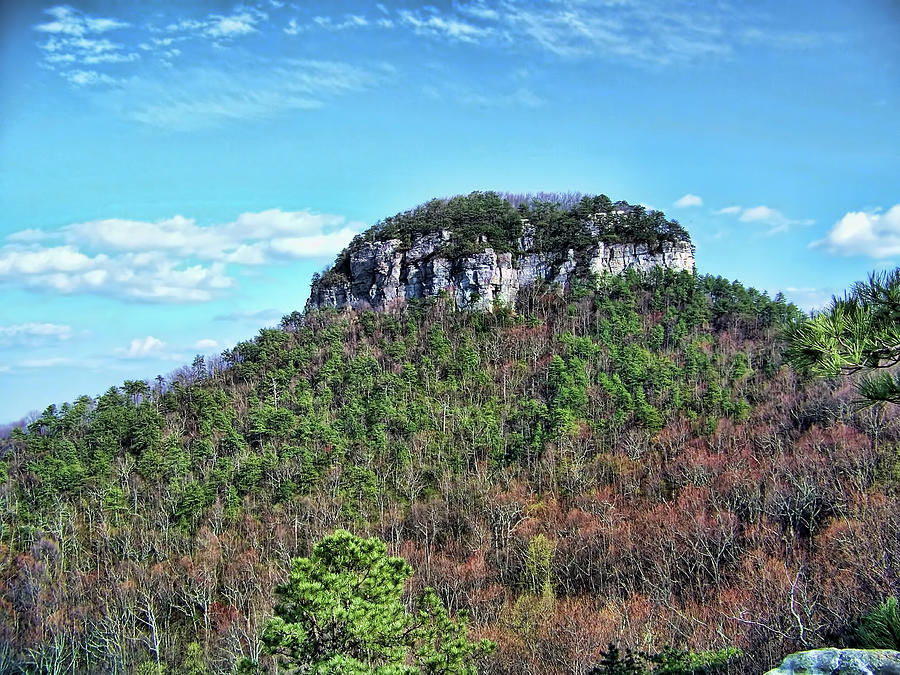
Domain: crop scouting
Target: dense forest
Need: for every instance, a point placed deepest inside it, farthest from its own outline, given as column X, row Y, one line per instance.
column 630, row 463
column 554, row 222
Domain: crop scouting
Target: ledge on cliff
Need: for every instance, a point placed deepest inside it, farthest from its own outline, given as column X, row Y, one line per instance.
column 484, row 247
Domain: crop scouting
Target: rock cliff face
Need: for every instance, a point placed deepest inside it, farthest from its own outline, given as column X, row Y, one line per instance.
column 382, row 272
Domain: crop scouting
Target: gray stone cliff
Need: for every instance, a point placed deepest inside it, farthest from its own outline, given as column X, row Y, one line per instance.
column 382, row 272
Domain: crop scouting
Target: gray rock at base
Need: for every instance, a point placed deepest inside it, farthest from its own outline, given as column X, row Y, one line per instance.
column 381, row 272
column 834, row 661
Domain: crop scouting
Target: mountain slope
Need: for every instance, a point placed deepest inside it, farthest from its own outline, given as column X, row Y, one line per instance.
column 632, row 462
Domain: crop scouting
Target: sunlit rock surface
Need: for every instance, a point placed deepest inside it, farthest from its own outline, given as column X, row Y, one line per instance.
column 381, row 272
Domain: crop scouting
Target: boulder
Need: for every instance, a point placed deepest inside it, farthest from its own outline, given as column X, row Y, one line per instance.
column 834, row 661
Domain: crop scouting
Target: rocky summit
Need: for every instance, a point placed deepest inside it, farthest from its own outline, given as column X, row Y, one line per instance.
column 378, row 270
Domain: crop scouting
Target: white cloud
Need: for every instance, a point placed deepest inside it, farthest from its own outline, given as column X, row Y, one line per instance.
column 185, row 25
column 867, row 233
column 31, row 333
column 169, row 260
column 141, row 348
column 250, row 239
column 776, row 220
column 111, row 58
column 434, row 24
column 206, row 343
column 84, row 78
column 152, row 276
column 236, row 24
column 689, row 200
column 242, row 21
column 763, row 215
column 54, row 259
column 759, row 213
column 349, row 21
column 69, row 21
column 311, row 246
column 479, row 9
column 156, row 42
column 28, row 235
column 75, row 45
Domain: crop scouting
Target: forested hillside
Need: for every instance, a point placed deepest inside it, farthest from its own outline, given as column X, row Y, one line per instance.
column 633, row 463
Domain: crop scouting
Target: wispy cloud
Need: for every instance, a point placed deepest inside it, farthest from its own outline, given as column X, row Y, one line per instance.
column 649, row 32
column 201, row 89
column 73, row 40
column 204, row 96
column 864, row 233
column 689, row 200
column 775, row 219
column 431, row 22
column 242, row 21
column 72, row 22
column 49, row 362
column 764, row 215
column 32, row 333
column 787, row 39
column 86, row 78
column 479, row 9
column 236, row 24
column 143, row 348
column 523, row 97
column 349, row 21
column 170, row 260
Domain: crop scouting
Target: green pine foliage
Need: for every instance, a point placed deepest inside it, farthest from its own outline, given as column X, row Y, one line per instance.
column 341, row 611
column 858, row 334
column 880, row 628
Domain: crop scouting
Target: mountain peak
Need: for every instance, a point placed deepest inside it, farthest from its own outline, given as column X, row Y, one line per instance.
column 485, row 248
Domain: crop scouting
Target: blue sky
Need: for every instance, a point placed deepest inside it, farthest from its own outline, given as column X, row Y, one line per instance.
column 172, row 173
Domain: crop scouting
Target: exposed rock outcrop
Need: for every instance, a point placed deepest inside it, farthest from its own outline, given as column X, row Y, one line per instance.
column 840, row 662
column 381, row 272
